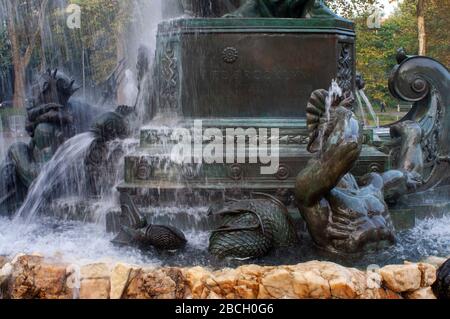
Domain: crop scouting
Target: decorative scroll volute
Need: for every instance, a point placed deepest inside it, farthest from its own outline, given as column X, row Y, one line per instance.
column 426, row 82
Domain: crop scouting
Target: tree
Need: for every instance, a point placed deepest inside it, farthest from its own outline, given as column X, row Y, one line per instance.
column 421, row 7
column 353, row 8
column 23, row 36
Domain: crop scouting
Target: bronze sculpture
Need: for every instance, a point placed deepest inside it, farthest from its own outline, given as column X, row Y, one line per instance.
column 251, row 228
column 136, row 231
column 342, row 215
column 441, row 287
column 52, row 118
column 425, row 83
column 282, row 9
column 50, row 122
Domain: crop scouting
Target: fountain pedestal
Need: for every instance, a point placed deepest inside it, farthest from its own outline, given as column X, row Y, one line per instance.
column 240, row 73
column 263, row 68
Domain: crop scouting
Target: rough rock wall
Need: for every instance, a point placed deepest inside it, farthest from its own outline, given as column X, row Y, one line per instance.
column 34, row 276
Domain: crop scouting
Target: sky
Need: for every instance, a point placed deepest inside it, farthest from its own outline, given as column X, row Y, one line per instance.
column 389, row 6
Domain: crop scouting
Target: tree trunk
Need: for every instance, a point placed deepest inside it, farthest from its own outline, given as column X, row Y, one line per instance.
column 421, row 6
column 20, row 62
column 19, row 72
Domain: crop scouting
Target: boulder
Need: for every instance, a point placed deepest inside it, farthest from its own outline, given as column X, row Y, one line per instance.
column 402, row 278
column 95, row 288
column 120, row 276
column 309, row 284
column 151, row 284
column 32, row 278
column 278, row 283
column 422, row 293
column 95, row 271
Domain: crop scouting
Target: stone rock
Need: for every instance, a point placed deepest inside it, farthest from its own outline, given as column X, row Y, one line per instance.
column 223, row 282
column 120, row 276
column 95, row 271
column 380, row 293
column 5, row 272
column 402, row 278
column 32, row 278
column 244, row 292
column 279, row 284
column 97, row 288
column 195, row 278
column 263, row 293
column 344, row 283
column 428, row 274
column 35, row 277
column 154, row 284
column 177, row 276
column 249, row 277
column 309, row 284
column 3, row 261
column 422, row 293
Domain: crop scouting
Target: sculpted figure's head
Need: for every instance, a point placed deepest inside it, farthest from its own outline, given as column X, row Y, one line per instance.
column 53, row 87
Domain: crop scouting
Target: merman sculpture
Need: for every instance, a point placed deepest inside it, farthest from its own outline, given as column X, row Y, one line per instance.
column 251, row 228
column 53, row 117
column 50, row 122
column 342, row 215
column 281, row 9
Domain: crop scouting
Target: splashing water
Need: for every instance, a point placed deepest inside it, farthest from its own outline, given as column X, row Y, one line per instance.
column 333, row 92
column 361, row 94
column 79, row 243
column 65, row 173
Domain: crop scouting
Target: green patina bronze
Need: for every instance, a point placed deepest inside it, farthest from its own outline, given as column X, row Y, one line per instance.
column 282, row 9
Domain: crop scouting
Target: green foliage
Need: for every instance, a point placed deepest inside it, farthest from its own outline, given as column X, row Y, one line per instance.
column 437, row 21
column 103, row 23
column 376, row 48
column 352, row 8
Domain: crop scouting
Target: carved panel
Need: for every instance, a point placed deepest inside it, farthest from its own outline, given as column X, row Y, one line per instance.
column 169, row 77
column 345, row 67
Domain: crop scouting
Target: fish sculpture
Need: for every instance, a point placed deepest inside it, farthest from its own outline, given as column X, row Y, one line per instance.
column 135, row 231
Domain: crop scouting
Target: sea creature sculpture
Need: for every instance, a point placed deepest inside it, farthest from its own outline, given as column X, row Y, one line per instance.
column 342, row 216
column 281, row 9
column 53, row 117
column 137, row 232
column 441, row 287
column 51, row 120
column 251, row 228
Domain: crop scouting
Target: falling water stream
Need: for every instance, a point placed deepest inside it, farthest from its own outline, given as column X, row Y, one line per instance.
column 362, row 94
column 64, row 174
